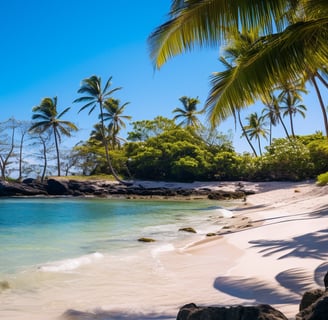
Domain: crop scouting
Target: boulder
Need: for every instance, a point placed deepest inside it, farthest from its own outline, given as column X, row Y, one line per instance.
column 259, row 312
column 58, row 188
column 316, row 311
column 310, row 297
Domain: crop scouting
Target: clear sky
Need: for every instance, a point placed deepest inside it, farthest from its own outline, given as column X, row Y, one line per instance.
column 48, row 47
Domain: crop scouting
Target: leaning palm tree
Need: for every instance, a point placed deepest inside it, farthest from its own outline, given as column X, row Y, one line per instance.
column 272, row 112
column 49, row 119
column 285, row 50
column 256, row 129
column 188, row 113
column 291, row 99
column 113, row 113
column 96, row 95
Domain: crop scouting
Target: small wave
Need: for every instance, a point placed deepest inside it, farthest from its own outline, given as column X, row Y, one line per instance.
column 71, row 264
column 163, row 248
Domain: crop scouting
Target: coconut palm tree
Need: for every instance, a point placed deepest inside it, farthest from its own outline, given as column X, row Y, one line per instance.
column 188, row 113
column 95, row 96
column 113, row 112
column 285, row 49
column 272, row 112
column 256, row 128
column 48, row 118
column 290, row 97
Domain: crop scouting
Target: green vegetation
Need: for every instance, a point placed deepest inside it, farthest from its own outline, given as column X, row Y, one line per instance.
column 322, row 179
column 270, row 53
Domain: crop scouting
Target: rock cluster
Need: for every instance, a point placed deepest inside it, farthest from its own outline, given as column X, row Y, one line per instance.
column 56, row 187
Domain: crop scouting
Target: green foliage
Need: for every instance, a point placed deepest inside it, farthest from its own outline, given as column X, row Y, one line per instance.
column 322, row 179
column 145, row 129
column 287, row 160
column 318, row 147
column 176, row 154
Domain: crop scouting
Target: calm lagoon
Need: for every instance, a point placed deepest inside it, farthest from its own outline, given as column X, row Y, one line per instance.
column 63, row 253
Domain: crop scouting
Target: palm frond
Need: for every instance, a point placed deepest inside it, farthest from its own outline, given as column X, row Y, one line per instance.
column 203, row 23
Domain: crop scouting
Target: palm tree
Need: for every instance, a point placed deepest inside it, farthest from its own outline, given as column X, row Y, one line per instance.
column 272, row 112
column 49, row 119
column 188, row 113
column 285, row 49
column 114, row 114
column 255, row 128
column 96, row 95
column 290, row 97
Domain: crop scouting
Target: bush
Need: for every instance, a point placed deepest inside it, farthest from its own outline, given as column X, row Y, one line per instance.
column 322, row 179
column 288, row 160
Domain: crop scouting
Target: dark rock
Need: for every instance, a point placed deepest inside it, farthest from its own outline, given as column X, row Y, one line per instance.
column 56, row 187
column 146, row 240
column 8, row 189
column 188, row 229
column 260, row 312
column 4, row 285
column 310, row 297
column 316, row 311
column 225, row 195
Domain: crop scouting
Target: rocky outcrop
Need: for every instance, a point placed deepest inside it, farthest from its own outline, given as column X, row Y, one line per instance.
column 61, row 187
column 260, row 312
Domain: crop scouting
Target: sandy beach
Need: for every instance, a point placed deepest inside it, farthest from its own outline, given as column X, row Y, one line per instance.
column 267, row 249
column 281, row 253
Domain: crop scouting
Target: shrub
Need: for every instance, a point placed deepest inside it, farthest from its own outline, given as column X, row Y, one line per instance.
column 322, row 179
column 288, row 160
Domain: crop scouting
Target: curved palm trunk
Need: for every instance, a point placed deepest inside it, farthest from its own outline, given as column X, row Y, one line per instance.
column 57, row 151
column 108, row 159
column 284, row 126
column 324, row 113
column 245, row 134
column 45, row 160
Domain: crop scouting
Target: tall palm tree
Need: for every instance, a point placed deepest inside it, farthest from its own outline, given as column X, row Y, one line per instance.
column 291, row 97
column 49, row 119
column 188, row 113
column 255, row 128
column 285, row 49
column 114, row 114
column 272, row 112
column 96, row 95
column 244, row 133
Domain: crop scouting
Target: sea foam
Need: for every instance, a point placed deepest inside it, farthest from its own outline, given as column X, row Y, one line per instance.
column 71, row 264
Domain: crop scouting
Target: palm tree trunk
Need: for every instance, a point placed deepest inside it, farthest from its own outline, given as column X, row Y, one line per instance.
column 324, row 113
column 260, row 149
column 291, row 124
column 57, row 151
column 245, row 134
column 45, row 163
column 105, row 143
column 284, row 126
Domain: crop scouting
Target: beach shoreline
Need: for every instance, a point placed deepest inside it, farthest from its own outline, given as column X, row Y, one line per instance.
column 268, row 248
column 279, row 255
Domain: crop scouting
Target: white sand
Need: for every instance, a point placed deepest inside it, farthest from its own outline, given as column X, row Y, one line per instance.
column 284, row 254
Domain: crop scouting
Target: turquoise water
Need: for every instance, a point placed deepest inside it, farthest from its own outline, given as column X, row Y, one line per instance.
column 36, row 231
column 83, row 254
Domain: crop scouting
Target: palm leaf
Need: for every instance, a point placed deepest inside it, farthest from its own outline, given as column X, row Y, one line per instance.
column 203, row 23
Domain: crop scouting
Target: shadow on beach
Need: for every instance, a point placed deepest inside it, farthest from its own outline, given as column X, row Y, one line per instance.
column 112, row 315
column 295, row 280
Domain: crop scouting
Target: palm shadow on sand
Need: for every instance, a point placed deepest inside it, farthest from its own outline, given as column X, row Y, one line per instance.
column 111, row 315
column 295, row 280
column 311, row 245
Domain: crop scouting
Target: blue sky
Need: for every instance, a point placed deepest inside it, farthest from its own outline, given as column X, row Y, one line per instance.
column 48, row 47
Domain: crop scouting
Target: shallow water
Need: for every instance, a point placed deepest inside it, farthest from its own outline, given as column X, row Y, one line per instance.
column 83, row 254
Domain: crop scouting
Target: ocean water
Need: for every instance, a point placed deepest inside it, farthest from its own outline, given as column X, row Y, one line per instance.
column 84, row 254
